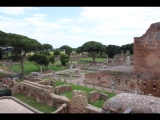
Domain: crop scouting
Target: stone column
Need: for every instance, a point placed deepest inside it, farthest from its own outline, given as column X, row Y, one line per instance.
column 103, row 67
column 70, row 73
column 41, row 70
column 112, row 85
column 128, row 60
column 107, row 59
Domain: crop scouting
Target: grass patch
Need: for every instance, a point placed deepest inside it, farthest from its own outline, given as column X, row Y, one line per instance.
column 96, row 59
column 31, row 67
column 37, row 105
column 1, row 73
column 98, row 103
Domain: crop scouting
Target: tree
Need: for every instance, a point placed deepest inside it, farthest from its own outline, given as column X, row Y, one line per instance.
column 111, row 50
column 127, row 47
column 39, row 60
column 64, row 59
column 47, row 47
column 4, row 43
column 45, row 52
column 79, row 50
column 52, row 59
column 68, row 49
column 57, row 52
column 22, row 45
column 92, row 48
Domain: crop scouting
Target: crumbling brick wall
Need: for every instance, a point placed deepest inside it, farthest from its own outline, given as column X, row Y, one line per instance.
column 151, row 87
column 122, row 81
column 146, row 52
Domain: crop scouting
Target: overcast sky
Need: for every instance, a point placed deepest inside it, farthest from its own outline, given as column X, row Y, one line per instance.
column 74, row 26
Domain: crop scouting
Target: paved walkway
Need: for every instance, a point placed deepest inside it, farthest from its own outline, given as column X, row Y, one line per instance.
column 10, row 106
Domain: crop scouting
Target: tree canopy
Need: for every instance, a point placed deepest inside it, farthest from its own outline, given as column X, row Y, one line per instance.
column 64, row 58
column 68, row 49
column 92, row 47
column 57, row 52
column 39, row 60
column 22, row 45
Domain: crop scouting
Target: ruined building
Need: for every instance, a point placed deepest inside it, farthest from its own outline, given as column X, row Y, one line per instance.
column 145, row 78
column 146, row 52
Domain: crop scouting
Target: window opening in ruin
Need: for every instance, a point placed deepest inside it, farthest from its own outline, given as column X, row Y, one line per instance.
column 154, row 85
column 119, row 80
column 144, row 84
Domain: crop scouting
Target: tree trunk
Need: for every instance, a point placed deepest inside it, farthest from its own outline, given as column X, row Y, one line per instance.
column 93, row 56
column 22, row 66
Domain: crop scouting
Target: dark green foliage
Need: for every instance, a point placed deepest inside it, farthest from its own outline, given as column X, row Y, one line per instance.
column 127, row 47
column 79, row 50
column 64, row 59
column 93, row 48
column 47, row 46
column 45, row 52
column 52, row 59
column 57, row 52
column 68, row 49
column 22, row 45
column 111, row 50
column 39, row 60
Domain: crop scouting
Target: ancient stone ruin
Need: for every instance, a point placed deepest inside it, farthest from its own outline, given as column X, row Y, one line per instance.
column 137, row 104
column 146, row 52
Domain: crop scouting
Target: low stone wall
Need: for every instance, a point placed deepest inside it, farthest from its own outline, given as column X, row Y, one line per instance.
column 15, row 89
column 92, row 109
column 56, row 100
column 7, row 82
column 50, row 88
column 40, row 93
column 47, row 82
column 32, row 78
column 62, row 89
column 80, row 92
column 62, row 109
column 95, row 95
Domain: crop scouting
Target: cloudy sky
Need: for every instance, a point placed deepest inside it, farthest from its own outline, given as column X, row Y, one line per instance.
column 74, row 26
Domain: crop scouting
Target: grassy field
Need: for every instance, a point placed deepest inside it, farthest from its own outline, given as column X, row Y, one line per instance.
column 98, row 103
column 37, row 105
column 96, row 59
column 30, row 67
column 1, row 73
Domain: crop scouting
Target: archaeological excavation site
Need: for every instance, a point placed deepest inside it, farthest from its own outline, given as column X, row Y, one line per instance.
column 123, row 84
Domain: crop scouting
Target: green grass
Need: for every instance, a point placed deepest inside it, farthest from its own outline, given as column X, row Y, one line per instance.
column 1, row 73
column 96, row 59
column 37, row 105
column 31, row 67
column 99, row 103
